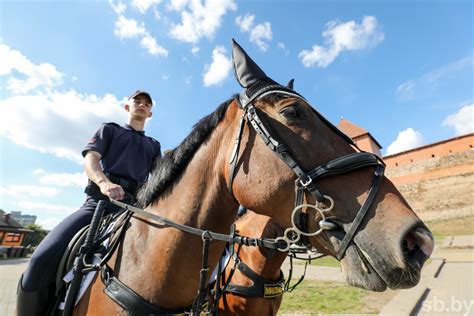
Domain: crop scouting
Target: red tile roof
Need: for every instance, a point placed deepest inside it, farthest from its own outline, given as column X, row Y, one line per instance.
column 354, row 131
column 350, row 129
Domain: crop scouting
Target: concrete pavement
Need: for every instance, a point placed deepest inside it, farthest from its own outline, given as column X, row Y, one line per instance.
column 10, row 272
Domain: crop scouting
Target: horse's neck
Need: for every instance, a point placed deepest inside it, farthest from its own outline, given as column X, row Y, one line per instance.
column 173, row 258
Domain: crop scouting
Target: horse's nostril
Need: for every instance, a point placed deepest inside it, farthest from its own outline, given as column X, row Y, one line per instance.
column 418, row 244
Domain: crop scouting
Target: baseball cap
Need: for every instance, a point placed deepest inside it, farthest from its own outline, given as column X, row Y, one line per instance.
column 138, row 92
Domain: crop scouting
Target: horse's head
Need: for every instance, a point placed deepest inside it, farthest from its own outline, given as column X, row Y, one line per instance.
column 369, row 225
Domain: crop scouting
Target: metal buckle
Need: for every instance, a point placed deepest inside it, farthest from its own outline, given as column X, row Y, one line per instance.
column 308, row 182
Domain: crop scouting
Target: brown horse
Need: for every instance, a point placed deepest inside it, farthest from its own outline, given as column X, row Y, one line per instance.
column 246, row 294
column 162, row 265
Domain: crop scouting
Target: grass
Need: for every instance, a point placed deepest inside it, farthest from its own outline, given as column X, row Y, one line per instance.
column 452, row 227
column 326, row 262
column 332, row 298
column 318, row 297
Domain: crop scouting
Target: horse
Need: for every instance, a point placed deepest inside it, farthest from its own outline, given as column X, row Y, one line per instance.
column 360, row 217
column 257, row 282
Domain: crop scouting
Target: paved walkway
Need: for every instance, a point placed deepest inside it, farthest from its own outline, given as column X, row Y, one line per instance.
column 446, row 287
column 10, row 272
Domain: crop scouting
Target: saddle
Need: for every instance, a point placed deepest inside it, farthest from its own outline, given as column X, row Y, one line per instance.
column 103, row 248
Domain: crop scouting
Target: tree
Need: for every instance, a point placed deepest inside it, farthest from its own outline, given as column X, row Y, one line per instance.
column 36, row 236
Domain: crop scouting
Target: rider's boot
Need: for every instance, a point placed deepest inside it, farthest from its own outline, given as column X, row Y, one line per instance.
column 34, row 303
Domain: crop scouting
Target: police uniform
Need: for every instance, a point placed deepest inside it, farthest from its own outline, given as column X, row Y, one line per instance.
column 128, row 156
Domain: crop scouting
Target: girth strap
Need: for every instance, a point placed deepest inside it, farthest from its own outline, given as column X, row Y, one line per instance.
column 133, row 303
column 261, row 287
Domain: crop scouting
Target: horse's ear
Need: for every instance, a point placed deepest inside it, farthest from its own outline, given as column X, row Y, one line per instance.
column 246, row 70
column 290, row 84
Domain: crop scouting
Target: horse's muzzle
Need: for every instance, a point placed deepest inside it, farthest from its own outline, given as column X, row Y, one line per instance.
column 417, row 246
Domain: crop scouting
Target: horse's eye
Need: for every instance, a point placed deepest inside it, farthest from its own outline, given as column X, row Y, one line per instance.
column 290, row 112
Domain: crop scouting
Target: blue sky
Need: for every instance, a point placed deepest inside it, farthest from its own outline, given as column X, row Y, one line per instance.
column 403, row 70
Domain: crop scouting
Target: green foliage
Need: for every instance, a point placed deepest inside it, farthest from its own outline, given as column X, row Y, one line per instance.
column 34, row 238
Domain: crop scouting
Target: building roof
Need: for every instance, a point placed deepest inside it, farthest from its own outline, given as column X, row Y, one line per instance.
column 350, row 129
column 6, row 221
column 354, row 131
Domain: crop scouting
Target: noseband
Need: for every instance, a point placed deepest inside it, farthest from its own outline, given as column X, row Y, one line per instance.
column 305, row 182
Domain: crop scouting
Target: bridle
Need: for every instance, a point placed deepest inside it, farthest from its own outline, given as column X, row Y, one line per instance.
column 305, row 182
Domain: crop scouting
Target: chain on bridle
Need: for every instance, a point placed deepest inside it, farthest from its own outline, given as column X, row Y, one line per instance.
column 305, row 182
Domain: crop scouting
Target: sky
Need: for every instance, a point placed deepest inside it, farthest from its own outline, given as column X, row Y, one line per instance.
column 403, row 70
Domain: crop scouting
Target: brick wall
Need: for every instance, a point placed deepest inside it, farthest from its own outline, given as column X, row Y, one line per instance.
column 439, row 187
column 439, row 149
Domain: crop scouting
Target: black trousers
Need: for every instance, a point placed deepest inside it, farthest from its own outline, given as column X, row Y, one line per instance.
column 41, row 270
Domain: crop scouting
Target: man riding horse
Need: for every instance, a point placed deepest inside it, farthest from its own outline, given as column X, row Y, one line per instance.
column 117, row 161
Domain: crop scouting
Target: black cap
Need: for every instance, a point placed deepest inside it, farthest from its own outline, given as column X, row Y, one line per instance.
column 138, row 92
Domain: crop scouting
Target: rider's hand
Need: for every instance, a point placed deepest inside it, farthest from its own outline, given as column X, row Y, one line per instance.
column 112, row 190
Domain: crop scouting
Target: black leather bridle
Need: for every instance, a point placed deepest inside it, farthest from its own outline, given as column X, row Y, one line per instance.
column 305, row 181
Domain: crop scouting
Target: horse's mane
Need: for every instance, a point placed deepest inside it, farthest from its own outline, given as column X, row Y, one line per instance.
column 168, row 169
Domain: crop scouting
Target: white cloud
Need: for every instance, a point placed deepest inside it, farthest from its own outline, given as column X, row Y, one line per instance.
column 149, row 42
column 33, row 76
column 144, row 5
column 118, row 7
column 406, row 140
column 48, row 215
column 245, row 23
column 462, row 121
column 282, row 46
column 406, row 90
column 339, row 37
column 188, row 80
column 428, row 81
column 48, row 223
column 195, row 50
column 260, row 34
column 199, row 19
column 59, row 123
column 219, row 69
column 165, row 76
column 128, row 28
column 28, row 190
column 178, row 5
column 78, row 179
column 39, row 171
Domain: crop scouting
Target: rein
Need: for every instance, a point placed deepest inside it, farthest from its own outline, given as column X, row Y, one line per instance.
column 231, row 239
